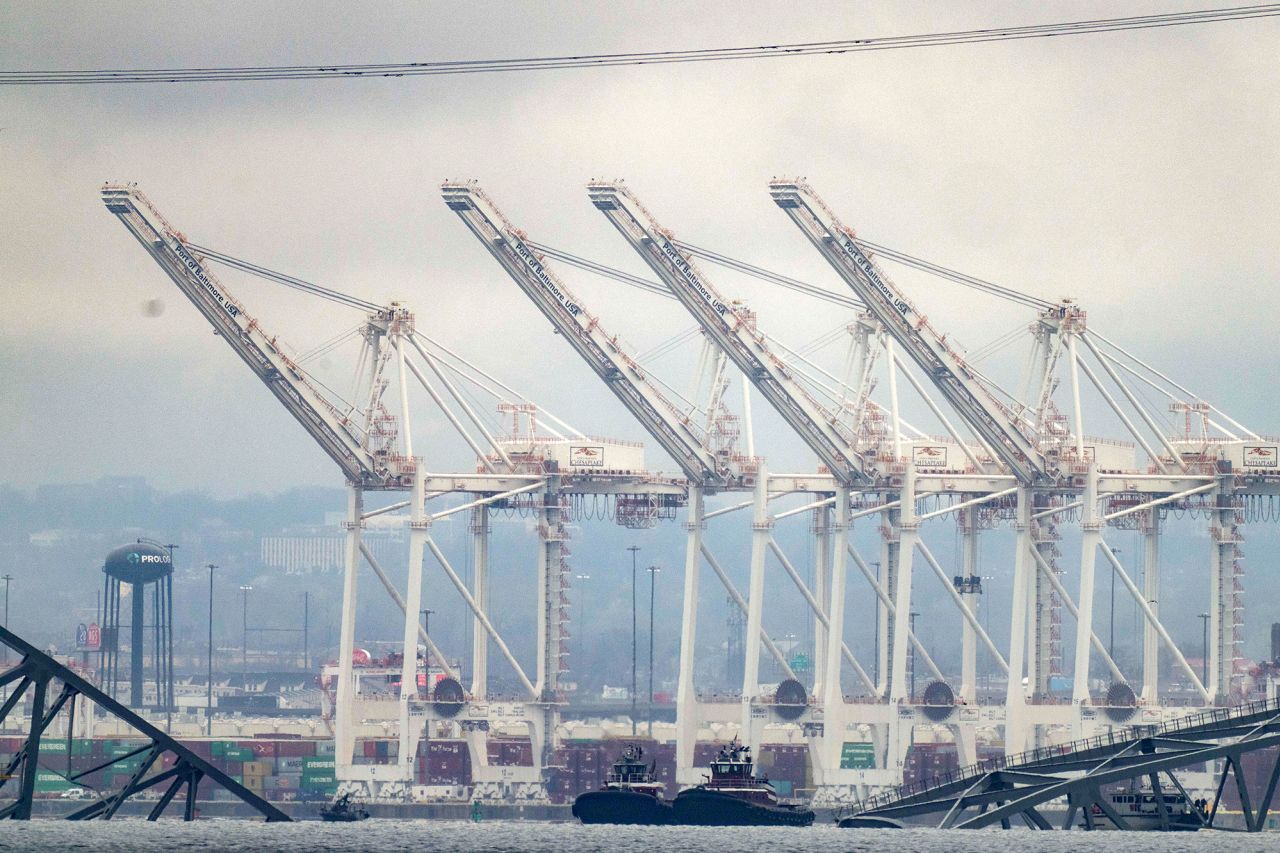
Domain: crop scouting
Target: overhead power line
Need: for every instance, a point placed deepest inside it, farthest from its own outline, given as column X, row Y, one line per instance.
column 664, row 57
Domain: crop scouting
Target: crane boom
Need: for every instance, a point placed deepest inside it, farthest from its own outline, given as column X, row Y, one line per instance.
column 733, row 331
column 671, row 428
column 997, row 425
column 330, row 427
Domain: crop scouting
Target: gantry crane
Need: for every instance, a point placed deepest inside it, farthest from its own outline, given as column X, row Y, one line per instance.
column 368, row 446
column 1031, row 450
column 373, row 448
column 1001, row 430
column 709, row 461
column 733, row 329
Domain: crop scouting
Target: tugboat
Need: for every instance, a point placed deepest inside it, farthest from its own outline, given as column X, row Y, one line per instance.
column 630, row 794
column 733, row 796
column 342, row 810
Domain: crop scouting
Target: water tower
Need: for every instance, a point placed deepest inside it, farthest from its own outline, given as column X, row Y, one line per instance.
column 142, row 565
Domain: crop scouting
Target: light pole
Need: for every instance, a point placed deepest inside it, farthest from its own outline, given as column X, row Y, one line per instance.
column 1111, row 641
column 208, row 707
column 244, row 615
column 426, row 629
column 6, row 578
column 653, row 574
column 306, row 629
column 578, row 625
column 875, row 610
column 1203, row 651
column 911, row 625
column 985, row 613
column 633, row 549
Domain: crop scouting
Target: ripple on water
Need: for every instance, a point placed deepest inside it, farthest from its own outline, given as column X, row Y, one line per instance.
column 387, row 836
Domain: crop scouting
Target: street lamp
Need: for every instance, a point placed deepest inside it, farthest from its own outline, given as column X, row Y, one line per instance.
column 306, row 629
column 1203, row 651
column 1111, row 641
column 633, row 549
column 875, row 638
column 653, row 574
column 208, row 707
column 578, row 624
column 6, row 578
column 911, row 625
column 244, row 614
column 985, row 614
column 426, row 629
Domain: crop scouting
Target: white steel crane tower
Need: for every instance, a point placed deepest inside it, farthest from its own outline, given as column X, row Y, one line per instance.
column 1050, row 462
column 732, row 327
column 368, row 452
column 707, row 457
column 1001, row 430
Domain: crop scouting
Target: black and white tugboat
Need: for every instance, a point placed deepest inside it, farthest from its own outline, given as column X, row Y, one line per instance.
column 630, row 794
column 733, row 796
column 342, row 810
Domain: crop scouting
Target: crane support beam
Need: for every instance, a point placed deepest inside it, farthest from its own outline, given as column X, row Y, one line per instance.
column 602, row 351
column 733, row 330
column 330, row 428
column 994, row 423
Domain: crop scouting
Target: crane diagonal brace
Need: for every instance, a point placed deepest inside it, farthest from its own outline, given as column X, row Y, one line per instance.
column 953, row 379
column 732, row 332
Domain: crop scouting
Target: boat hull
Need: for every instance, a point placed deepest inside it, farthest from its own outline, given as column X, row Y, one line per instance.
column 622, row 807
column 701, row 807
column 1148, row 823
column 867, row 822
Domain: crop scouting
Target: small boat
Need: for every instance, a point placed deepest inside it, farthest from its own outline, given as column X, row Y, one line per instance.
column 734, row 796
column 631, row 794
column 342, row 810
column 1140, row 810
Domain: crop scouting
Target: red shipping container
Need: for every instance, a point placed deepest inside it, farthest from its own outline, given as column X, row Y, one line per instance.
column 295, row 749
column 202, row 748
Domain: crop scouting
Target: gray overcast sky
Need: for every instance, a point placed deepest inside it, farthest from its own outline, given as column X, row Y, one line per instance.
column 1133, row 171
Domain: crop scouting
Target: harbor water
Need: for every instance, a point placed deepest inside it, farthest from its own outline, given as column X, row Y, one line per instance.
column 387, row 836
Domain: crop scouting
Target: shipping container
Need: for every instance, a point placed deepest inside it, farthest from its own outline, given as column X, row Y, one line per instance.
column 259, row 748
column 296, row 748
column 47, row 781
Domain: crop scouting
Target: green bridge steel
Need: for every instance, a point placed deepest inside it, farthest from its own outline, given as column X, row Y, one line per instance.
column 40, row 674
column 1016, row 786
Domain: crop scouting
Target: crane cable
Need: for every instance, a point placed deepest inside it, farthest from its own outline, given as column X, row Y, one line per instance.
column 288, row 280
